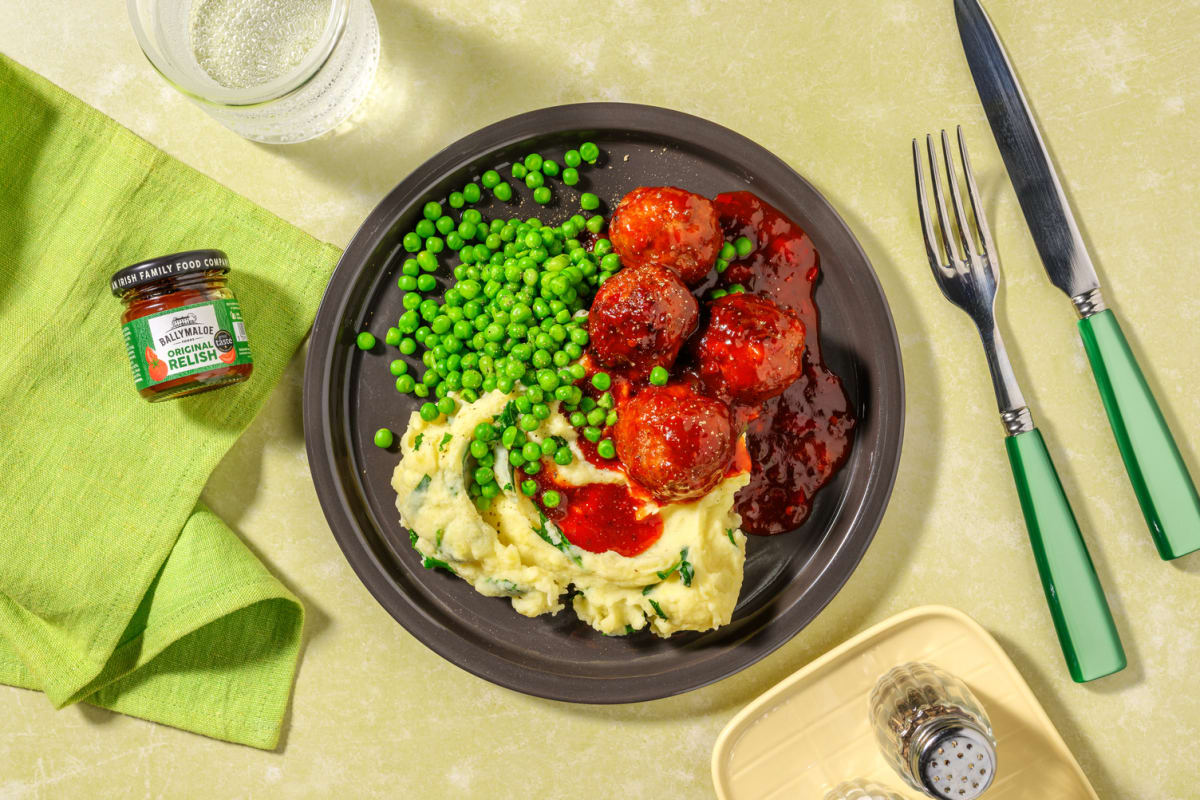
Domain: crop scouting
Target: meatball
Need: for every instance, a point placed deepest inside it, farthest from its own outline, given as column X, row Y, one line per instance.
column 674, row 441
column 669, row 227
column 640, row 318
column 751, row 350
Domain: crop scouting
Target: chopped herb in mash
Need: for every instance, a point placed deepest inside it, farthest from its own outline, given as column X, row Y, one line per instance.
column 658, row 610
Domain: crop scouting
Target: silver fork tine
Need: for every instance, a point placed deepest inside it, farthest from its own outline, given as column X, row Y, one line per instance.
column 976, row 204
column 931, row 246
column 964, row 232
column 956, row 257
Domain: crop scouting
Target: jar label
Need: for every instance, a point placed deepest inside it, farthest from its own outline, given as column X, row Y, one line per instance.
column 185, row 341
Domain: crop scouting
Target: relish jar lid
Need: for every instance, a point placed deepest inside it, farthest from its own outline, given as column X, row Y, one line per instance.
column 168, row 266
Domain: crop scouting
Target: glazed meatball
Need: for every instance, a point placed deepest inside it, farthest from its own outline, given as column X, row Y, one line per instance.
column 751, row 350
column 669, row 227
column 640, row 318
column 674, row 441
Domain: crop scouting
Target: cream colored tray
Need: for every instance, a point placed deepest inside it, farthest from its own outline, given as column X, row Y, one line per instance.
column 810, row 732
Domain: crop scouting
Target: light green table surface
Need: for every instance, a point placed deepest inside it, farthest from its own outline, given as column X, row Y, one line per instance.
column 837, row 89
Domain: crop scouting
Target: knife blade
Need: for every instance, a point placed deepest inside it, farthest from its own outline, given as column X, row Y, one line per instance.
column 1030, row 169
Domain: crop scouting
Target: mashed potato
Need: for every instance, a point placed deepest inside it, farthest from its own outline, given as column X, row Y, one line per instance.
column 508, row 551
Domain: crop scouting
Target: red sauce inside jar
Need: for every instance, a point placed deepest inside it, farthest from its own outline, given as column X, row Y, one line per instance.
column 598, row 516
column 201, row 347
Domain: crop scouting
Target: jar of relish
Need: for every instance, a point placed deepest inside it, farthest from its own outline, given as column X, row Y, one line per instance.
column 183, row 327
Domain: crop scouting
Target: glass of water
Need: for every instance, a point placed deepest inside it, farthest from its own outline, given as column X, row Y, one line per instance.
column 275, row 71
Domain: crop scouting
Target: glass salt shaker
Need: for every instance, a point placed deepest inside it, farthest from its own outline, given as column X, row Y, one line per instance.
column 861, row 790
column 934, row 732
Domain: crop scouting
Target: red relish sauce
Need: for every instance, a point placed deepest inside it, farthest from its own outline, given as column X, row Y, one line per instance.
column 798, row 440
column 598, row 516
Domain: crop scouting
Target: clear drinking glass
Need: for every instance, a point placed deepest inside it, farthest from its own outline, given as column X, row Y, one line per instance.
column 275, row 71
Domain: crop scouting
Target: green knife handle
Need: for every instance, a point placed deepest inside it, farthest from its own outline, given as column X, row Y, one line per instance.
column 1160, row 478
column 1081, row 617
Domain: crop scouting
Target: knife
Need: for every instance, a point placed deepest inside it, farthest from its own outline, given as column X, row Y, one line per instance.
column 1156, row 469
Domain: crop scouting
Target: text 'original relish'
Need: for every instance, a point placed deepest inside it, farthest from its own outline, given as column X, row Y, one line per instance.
column 183, row 327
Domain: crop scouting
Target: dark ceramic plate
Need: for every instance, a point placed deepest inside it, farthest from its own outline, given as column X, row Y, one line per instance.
column 349, row 394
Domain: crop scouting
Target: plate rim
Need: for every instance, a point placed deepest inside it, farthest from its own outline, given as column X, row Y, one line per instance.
column 318, row 391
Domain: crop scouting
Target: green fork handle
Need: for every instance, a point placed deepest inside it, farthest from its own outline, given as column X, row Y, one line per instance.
column 1160, row 479
column 1080, row 612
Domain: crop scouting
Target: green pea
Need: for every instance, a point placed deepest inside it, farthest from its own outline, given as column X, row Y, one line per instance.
column 549, row 447
column 572, row 158
column 456, row 200
column 405, row 384
column 427, row 261
column 602, row 380
column 541, row 411
column 490, row 179
column 744, row 246
column 589, row 152
column 721, row 265
column 472, row 379
column 534, row 180
column 471, row 193
column 408, row 283
column 484, row 475
column 728, row 251
column 532, row 467
column 479, row 449
column 429, row 412
column 503, row 192
column 530, row 451
column 483, row 503
column 542, row 195
column 595, row 224
column 717, row 294
column 606, row 449
column 595, row 417
column 529, row 488
column 408, row 346
column 392, row 337
column 384, row 438
column 547, row 380
column 659, row 376
column 519, row 171
column 570, row 176
column 410, row 267
column 528, row 422
column 420, row 390
column 611, row 419
column 432, row 210
column 551, row 498
column 578, row 419
column 435, row 244
column 426, row 283
column 508, row 436
column 412, row 241
column 589, row 201
column 365, row 340
column 447, row 405
column 398, row 367
column 737, row 288
column 563, row 456
column 591, row 433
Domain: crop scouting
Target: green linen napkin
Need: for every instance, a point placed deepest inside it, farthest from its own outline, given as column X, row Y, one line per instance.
column 116, row 587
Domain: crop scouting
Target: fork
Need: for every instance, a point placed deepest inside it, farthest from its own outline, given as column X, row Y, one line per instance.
column 968, row 274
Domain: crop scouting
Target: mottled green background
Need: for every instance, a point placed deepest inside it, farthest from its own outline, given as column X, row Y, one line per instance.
column 837, row 89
